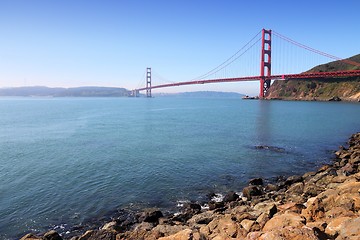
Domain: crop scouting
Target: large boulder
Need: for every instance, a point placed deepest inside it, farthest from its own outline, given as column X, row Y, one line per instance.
column 290, row 232
column 284, row 220
column 251, row 191
column 30, row 236
column 151, row 215
column 231, row 196
column 52, row 235
column 350, row 229
column 185, row 234
column 97, row 235
column 256, row 181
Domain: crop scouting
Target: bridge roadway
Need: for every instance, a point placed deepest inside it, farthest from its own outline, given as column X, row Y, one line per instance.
column 300, row 76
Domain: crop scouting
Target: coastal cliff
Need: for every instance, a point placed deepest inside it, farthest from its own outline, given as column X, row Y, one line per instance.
column 324, row 204
column 347, row 89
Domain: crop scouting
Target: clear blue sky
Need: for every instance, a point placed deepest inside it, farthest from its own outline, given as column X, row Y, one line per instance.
column 69, row 43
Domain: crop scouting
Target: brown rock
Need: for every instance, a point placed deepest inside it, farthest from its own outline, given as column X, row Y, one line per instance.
column 350, row 229
column 284, row 220
column 308, row 175
column 271, row 188
column 215, row 205
column 30, row 236
column 290, row 232
column 295, row 189
column 291, row 207
column 338, row 212
column 96, row 235
column 253, row 235
column 335, row 225
column 112, row 226
column 319, row 225
column 324, row 181
column 52, row 235
column 231, row 196
column 201, row 218
column 256, row 181
column 293, row 179
column 225, row 227
column 252, row 191
column 268, row 207
column 185, row 234
column 247, row 224
column 151, row 215
column 166, row 230
column 263, row 219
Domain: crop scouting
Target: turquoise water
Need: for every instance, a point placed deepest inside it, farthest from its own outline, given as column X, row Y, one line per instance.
column 64, row 161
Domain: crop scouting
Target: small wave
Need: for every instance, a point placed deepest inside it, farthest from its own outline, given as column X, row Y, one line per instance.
column 180, row 203
column 217, row 197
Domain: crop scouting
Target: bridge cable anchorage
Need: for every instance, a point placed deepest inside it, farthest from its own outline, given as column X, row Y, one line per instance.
column 315, row 50
column 220, row 66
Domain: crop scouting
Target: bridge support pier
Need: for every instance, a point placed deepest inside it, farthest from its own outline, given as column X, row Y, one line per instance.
column 265, row 63
column 148, row 82
column 135, row 93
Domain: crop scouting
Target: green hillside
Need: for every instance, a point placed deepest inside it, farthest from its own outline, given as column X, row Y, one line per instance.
column 324, row 89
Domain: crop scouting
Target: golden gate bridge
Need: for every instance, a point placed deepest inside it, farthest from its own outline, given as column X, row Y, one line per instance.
column 265, row 77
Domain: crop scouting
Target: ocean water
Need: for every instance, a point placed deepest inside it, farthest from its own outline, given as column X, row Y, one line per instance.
column 64, row 161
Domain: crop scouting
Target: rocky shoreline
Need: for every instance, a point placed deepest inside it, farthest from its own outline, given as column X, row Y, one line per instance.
column 324, row 204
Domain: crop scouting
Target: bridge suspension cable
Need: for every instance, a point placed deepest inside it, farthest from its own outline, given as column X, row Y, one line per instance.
column 231, row 59
column 315, row 50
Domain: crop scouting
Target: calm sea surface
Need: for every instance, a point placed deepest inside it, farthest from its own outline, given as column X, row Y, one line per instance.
column 64, row 161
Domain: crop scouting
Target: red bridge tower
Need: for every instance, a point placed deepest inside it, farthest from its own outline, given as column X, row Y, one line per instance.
column 265, row 63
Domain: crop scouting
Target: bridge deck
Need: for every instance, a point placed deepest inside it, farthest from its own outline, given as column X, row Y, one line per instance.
column 300, row 76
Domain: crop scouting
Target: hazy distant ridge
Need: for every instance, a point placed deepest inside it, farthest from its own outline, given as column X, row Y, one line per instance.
column 65, row 92
column 103, row 92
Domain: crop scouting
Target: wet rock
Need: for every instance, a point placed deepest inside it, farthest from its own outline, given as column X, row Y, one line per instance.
column 296, row 189
column 113, row 226
column 98, row 235
column 151, row 216
column 335, row 99
column 52, row 235
column 215, row 205
column 312, row 190
column 192, row 207
column 231, row 196
column 202, row 218
column 271, row 148
column 256, row 181
column 252, row 191
column 30, row 236
column 271, row 188
column 293, row 179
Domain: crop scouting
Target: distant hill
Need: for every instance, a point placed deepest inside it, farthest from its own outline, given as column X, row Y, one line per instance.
column 65, row 92
column 201, row 94
column 321, row 89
